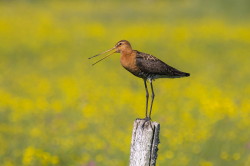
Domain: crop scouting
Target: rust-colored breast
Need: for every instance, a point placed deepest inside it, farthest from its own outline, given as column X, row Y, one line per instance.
column 128, row 61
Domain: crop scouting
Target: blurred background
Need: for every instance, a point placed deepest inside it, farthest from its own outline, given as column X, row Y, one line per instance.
column 58, row 110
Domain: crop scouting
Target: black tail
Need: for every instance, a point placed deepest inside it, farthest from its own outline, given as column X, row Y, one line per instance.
column 181, row 74
column 186, row 74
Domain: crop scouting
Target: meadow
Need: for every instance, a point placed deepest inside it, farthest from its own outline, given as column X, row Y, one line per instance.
column 58, row 110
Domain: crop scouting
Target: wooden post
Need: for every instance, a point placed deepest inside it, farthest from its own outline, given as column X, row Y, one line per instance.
column 144, row 143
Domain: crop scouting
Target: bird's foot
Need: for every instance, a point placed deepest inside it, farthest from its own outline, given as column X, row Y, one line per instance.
column 147, row 118
column 147, row 121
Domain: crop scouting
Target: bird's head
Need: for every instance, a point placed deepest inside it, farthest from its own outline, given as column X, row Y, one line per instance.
column 120, row 47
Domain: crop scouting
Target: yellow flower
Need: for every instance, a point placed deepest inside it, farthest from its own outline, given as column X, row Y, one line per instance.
column 224, row 156
column 205, row 163
column 236, row 156
column 169, row 154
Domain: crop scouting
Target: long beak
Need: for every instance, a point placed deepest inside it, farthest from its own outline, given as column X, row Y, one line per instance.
column 103, row 58
column 101, row 54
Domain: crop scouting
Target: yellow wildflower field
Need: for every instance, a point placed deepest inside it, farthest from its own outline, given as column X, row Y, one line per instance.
column 56, row 109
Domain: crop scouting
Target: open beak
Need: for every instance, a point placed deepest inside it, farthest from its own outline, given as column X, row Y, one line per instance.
column 103, row 53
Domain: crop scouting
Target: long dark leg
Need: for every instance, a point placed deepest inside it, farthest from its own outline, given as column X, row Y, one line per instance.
column 147, row 118
column 153, row 96
column 146, row 88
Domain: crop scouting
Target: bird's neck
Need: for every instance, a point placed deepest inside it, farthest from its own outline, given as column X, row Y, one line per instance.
column 126, row 52
column 128, row 61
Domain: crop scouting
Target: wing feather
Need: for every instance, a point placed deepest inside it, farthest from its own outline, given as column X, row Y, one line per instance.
column 149, row 64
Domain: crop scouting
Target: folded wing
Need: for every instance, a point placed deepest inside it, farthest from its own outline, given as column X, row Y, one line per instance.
column 154, row 66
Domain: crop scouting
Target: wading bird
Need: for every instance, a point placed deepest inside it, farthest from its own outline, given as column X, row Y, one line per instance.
column 144, row 66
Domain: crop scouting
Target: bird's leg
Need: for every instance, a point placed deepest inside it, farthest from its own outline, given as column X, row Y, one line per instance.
column 147, row 95
column 153, row 96
column 147, row 118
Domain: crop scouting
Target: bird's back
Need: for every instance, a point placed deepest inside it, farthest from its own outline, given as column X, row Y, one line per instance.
column 152, row 67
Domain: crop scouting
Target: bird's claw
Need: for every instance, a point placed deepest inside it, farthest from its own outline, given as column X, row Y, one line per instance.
column 147, row 119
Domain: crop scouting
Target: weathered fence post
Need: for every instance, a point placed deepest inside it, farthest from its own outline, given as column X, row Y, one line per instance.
column 144, row 143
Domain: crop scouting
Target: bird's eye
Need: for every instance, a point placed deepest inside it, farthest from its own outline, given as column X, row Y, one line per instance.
column 119, row 44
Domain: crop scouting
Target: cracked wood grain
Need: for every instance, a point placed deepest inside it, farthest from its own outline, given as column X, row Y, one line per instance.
column 144, row 143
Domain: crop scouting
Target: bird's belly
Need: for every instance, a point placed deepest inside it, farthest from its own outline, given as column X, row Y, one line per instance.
column 134, row 71
column 137, row 72
column 143, row 75
column 149, row 76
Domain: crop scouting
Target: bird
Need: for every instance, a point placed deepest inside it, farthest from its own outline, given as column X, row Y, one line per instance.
column 144, row 66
